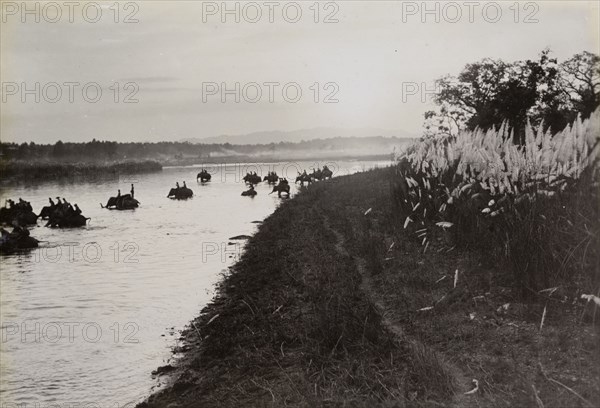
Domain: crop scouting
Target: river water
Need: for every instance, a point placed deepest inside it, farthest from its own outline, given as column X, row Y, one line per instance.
column 86, row 317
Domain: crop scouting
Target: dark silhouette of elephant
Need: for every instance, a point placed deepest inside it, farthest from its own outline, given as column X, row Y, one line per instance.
column 18, row 213
column 271, row 178
column 125, row 202
column 180, row 193
column 204, row 176
column 281, row 188
column 303, row 178
column 252, row 178
column 16, row 240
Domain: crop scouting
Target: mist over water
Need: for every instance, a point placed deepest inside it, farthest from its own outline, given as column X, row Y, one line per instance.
column 91, row 313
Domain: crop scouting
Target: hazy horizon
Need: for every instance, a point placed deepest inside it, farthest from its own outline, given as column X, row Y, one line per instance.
column 171, row 59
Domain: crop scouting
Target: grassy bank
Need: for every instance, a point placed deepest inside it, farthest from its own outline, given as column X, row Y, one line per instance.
column 55, row 170
column 333, row 304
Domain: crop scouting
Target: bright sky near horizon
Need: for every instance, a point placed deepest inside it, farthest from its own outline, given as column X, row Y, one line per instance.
column 154, row 70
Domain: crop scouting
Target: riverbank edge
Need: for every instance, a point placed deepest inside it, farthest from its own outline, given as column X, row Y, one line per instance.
column 342, row 317
column 294, row 329
column 52, row 171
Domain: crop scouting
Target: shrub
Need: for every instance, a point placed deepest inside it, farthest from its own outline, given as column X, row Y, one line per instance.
column 533, row 207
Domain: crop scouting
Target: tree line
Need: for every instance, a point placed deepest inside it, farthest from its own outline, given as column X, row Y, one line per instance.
column 116, row 151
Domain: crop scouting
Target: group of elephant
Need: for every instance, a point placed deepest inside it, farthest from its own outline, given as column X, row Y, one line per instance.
column 64, row 215
column 280, row 184
column 283, row 187
column 61, row 214
column 316, row 175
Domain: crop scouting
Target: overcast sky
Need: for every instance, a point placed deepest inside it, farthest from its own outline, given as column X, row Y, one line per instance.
column 177, row 50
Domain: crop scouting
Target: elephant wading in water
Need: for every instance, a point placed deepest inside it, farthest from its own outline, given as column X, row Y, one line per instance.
column 252, row 178
column 303, row 178
column 18, row 239
column 68, row 221
column 203, row 176
column 317, row 175
column 251, row 192
column 20, row 213
column 282, row 187
column 122, row 202
column 180, row 193
column 64, row 215
column 45, row 213
column 271, row 178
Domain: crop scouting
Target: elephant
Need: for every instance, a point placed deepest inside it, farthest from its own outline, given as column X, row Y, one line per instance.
column 317, row 175
column 19, row 239
column 252, row 178
column 68, row 221
column 180, row 193
column 19, row 214
column 126, row 202
column 326, row 173
column 281, row 188
column 46, row 212
column 303, row 178
column 204, row 176
column 251, row 192
column 271, row 178
column 64, row 215
column 26, row 218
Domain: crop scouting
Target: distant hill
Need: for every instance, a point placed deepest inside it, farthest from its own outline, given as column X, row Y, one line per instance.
column 296, row 136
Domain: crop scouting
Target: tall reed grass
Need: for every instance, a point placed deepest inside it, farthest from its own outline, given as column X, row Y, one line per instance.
column 532, row 207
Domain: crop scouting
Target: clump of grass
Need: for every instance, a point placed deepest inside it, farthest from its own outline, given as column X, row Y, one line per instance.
column 533, row 208
column 430, row 373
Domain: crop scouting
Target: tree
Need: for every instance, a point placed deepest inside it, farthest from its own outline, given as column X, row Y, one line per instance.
column 489, row 92
column 580, row 81
column 58, row 150
column 445, row 122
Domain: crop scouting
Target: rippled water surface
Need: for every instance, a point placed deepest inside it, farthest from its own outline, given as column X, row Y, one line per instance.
column 88, row 315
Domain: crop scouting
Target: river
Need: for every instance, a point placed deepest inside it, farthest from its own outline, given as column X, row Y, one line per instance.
column 90, row 314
